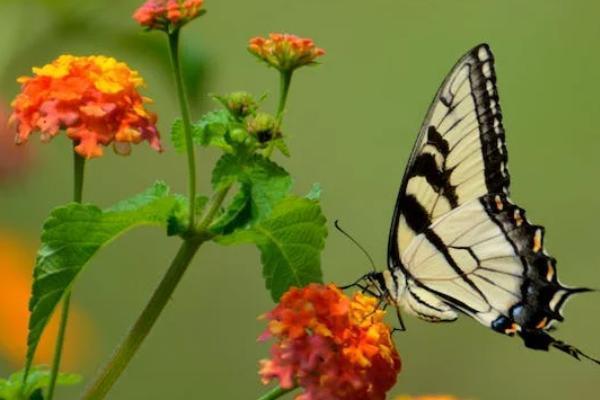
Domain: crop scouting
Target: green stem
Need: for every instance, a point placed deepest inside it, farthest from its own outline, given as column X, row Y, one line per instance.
column 78, row 175
column 130, row 345
column 187, row 124
column 212, row 208
column 132, row 342
column 276, row 393
column 285, row 79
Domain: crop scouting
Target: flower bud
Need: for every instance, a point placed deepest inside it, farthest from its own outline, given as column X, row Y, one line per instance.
column 239, row 104
column 264, row 127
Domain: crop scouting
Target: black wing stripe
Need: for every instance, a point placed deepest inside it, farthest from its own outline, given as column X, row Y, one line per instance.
column 426, row 166
column 423, row 302
column 437, row 242
column 416, row 216
column 449, row 300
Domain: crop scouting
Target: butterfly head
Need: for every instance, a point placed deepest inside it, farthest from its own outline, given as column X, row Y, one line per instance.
column 377, row 284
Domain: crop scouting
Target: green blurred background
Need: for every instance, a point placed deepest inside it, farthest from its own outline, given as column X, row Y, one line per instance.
column 351, row 122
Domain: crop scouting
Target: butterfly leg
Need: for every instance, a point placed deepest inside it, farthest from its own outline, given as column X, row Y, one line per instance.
column 402, row 327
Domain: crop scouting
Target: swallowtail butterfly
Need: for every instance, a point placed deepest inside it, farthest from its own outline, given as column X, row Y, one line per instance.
column 457, row 242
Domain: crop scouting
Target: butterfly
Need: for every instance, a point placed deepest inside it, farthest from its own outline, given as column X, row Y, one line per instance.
column 457, row 243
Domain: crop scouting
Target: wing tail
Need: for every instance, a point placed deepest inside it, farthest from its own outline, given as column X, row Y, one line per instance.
column 540, row 340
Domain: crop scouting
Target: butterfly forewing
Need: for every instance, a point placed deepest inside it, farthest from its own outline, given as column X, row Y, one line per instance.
column 459, row 154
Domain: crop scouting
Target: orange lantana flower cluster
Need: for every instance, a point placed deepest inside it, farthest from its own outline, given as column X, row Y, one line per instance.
column 284, row 51
column 165, row 14
column 95, row 99
column 332, row 346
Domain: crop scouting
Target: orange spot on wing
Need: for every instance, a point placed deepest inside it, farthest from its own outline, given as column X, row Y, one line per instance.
column 542, row 323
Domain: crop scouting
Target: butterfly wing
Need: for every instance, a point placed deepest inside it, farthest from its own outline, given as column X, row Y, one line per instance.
column 459, row 154
column 487, row 260
column 457, row 243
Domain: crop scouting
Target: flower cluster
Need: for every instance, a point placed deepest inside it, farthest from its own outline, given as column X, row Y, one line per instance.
column 94, row 98
column 333, row 346
column 167, row 14
column 284, row 51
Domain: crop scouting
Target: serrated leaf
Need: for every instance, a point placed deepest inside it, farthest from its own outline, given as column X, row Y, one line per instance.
column 212, row 129
column 178, row 221
column 178, row 135
column 237, row 214
column 282, row 147
column 38, row 379
column 72, row 235
column 267, row 182
column 290, row 240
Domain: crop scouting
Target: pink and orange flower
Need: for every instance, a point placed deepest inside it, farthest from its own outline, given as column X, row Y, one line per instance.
column 332, row 346
column 284, row 51
column 95, row 99
column 167, row 14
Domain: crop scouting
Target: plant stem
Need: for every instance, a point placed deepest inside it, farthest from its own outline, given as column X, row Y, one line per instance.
column 187, row 124
column 276, row 393
column 129, row 346
column 285, row 79
column 132, row 342
column 78, row 175
column 79, row 170
column 212, row 208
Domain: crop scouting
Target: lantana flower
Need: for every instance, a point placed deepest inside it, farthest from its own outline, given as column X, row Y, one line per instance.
column 168, row 14
column 94, row 98
column 332, row 346
column 284, row 51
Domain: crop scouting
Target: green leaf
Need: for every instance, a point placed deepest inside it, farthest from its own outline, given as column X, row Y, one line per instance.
column 290, row 240
column 315, row 192
column 38, row 379
column 178, row 135
column 266, row 182
column 72, row 235
column 212, row 128
column 178, row 221
column 281, row 146
column 237, row 215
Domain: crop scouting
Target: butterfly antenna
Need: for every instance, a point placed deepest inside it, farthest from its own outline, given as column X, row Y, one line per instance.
column 365, row 252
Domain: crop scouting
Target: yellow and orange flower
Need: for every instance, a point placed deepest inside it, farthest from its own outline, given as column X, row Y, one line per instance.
column 167, row 14
column 284, row 51
column 332, row 346
column 95, row 99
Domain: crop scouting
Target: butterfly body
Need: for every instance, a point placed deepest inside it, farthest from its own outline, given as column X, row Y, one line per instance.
column 457, row 243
